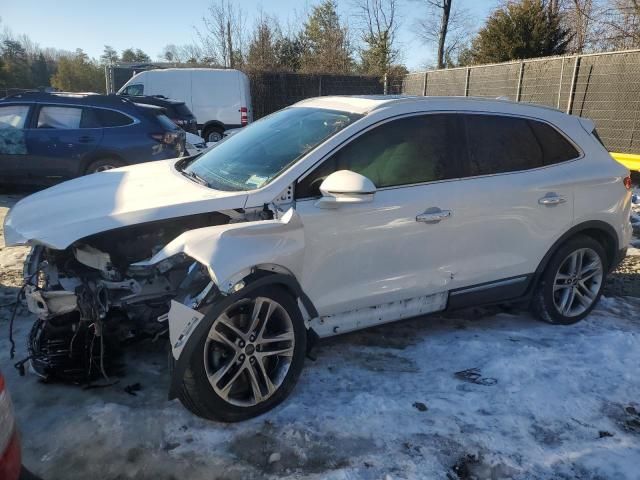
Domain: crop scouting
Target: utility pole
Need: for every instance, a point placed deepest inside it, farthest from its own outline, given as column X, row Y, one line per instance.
column 229, row 44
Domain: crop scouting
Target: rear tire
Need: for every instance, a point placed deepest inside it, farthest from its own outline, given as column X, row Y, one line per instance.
column 213, row 134
column 102, row 165
column 234, row 374
column 572, row 282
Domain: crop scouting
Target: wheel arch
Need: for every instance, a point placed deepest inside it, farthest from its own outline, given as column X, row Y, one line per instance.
column 258, row 278
column 213, row 124
column 98, row 155
column 600, row 231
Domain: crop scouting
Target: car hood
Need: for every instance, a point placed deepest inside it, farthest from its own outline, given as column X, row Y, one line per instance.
column 60, row 215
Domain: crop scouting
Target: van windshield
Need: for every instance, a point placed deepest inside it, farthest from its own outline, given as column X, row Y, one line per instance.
column 260, row 152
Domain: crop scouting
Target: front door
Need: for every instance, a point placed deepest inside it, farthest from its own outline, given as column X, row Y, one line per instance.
column 62, row 137
column 398, row 246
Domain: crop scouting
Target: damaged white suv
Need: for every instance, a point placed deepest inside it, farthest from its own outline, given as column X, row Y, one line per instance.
column 333, row 215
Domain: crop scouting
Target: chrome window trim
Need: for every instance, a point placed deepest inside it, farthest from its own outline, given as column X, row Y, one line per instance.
column 135, row 121
column 347, row 141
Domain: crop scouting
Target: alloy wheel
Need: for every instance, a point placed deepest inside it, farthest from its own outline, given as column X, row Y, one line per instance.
column 577, row 282
column 248, row 351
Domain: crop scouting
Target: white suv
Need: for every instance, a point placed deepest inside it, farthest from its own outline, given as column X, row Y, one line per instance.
column 333, row 215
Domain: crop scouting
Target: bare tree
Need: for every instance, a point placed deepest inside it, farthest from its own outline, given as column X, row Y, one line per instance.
column 222, row 36
column 622, row 24
column 447, row 27
column 578, row 17
column 378, row 26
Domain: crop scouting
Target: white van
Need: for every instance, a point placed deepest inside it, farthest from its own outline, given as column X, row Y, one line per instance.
column 219, row 99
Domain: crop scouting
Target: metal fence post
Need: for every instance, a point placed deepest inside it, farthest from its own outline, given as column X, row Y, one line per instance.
column 424, row 84
column 560, row 85
column 466, row 82
column 572, row 89
column 319, row 85
column 519, row 88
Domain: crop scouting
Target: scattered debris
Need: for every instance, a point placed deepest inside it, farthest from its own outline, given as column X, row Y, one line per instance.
column 274, row 457
column 133, row 388
column 420, row 406
column 473, row 375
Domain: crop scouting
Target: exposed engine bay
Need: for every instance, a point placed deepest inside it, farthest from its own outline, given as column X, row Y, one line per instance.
column 94, row 297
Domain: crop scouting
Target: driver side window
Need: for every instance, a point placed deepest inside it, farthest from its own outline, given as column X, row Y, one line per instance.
column 134, row 90
column 401, row 152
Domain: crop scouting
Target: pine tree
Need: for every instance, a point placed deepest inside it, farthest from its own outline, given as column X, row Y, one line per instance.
column 326, row 42
column 518, row 30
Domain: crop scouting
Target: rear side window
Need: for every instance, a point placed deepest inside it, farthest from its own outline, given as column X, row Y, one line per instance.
column 500, row 144
column 555, row 147
column 111, row 118
column 182, row 110
column 13, row 116
column 401, row 152
column 59, row 117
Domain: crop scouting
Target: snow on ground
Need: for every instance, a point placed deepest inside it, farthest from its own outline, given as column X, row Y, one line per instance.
column 546, row 402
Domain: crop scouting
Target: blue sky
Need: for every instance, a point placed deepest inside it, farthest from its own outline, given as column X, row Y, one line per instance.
column 152, row 24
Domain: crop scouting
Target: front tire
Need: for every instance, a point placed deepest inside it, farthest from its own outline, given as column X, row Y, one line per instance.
column 249, row 360
column 572, row 283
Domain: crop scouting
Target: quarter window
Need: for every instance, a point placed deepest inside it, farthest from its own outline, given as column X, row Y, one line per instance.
column 401, row 152
column 59, row 117
column 13, row 116
column 111, row 118
column 555, row 147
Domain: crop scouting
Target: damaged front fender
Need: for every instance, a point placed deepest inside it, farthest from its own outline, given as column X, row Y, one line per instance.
column 231, row 252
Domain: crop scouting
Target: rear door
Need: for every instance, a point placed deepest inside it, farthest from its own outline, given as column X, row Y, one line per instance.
column 14, row 120
column 62, row 137
column 516, row 199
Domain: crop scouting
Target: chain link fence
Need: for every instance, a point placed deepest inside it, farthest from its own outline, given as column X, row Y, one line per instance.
column 604, row 87
column 272, row 91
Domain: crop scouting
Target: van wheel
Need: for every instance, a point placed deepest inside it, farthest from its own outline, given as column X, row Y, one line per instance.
column 213, row 134
column 249, row 360
column 102, row 165
column 572, row 282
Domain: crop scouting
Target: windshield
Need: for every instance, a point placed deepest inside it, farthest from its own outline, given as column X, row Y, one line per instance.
column 260, row 152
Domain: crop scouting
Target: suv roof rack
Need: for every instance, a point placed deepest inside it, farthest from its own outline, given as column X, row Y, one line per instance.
column 95, row 97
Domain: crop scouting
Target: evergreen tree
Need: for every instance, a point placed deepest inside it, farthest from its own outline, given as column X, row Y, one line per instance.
column 326, row 42
column 518, row 30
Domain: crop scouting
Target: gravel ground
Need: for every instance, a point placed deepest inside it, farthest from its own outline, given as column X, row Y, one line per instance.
column 483, row 393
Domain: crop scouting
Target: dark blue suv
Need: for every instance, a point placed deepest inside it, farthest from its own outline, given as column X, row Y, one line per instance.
column 50, row 137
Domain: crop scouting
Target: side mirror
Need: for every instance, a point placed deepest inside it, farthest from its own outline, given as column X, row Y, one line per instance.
column 345, row 186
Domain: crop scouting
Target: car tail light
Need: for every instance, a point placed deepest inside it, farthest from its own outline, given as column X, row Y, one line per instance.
column 168, row 138
column 244, row 117
column 627, row 182
column 10, row 460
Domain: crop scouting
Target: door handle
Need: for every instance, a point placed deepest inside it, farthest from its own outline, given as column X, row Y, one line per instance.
column 433, row 215
column 551, row 199
column 85, row 139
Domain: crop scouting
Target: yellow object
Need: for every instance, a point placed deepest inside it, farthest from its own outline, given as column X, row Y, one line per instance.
column 629, row 160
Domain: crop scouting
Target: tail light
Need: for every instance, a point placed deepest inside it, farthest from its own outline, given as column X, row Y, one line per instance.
column 627, row 182
column 244, row 117
column 168, row 138
column 10, row 460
